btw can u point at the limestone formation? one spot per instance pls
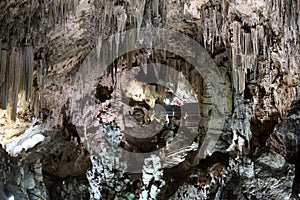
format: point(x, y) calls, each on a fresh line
point(103, 99)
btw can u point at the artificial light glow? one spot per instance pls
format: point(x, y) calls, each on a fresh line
point(11, 198)
point(167, 101)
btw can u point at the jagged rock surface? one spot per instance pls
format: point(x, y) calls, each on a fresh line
point(255, 46)
point(50, 170)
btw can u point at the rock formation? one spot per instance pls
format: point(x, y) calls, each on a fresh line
point(150, 99)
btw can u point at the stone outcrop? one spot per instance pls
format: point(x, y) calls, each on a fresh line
point(285, 141)
point(50, 170)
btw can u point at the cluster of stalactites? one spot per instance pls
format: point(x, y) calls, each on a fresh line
point(59, 10)
point(249, 40)
point(260, 36)
point(16, 66)
point(17, 38)
point(127, 15)
point(22, 19)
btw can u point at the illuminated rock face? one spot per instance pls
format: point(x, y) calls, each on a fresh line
point(44, 47)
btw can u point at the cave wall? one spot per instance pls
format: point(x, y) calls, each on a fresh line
point(255, 46)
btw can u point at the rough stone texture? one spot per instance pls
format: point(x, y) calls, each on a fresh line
point(10, 173)
point(255, 45)
point(285, 141)
point(50, 170)
point(285, 138)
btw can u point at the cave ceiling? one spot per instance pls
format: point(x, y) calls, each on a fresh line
point(149, 99)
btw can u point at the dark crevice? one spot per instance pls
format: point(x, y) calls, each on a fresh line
point(178, 175)
point(261, 130)
point(103, 93)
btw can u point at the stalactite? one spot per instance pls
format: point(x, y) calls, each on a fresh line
point(74, 6)
point(268, 67)
point(14, 82)
point(61, 12)
point(298, 8)
point(36, 93)
point(129, 60)
point(254, 41)
point(215, 32)
point(247, 46)
point(200, 88)
point(4, 78)
point(155, 5)
point(9, 84)
point(53, 11)
point(241, 77)
point(185, 68)
point(260, 35)
point(58, 10)
point(234, 67)
point(236, 37)
point(128, 45)
point(242, 41)
point(18, 67)
point(121, 17)
point(117, 43)
point(139, 14)
point(28, 70)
